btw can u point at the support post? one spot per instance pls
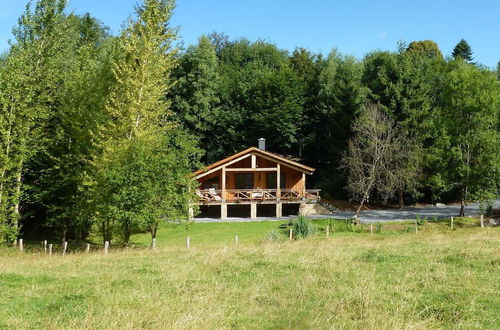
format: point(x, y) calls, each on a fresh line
point(279, 210)
point(416, 226)
point(371, 228)
point(254, 161)
point(327, 231)
point(223, 211)
point(451, 223)
point(87, 248)
point(106, 247)
point(303, 185)
point(482, 221)
point(45, 246)
point(65, 247)
point(188, 242)
point(223, 185)
point(278, 181)
point(50, 249)
point(253, 211)
point(21, 246)
point(236, 239)
point(291, 235)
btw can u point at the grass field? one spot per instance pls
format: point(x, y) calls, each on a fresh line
point(437, 278)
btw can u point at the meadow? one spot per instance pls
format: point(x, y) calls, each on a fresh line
point(396, 278)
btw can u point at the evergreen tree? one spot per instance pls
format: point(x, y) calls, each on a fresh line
point(196, 94)
point(463, 50)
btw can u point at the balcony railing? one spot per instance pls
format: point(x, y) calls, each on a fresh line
point(250, 195)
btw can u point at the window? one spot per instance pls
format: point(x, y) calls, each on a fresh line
point(211, 183)
point(271, 180)
point(244, 181)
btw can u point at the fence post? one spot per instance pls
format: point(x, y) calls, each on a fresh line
point(236, 239)
point(50, 249)
point(106, 247)
point(21, 246)
point(291, 234)
point(65, 246)
point(416, 226)
point(87, 248)
point(371, 228)
point(482, 221)
point(327, 231)
point(451, 224)
point(45, 246)
point(188, 242)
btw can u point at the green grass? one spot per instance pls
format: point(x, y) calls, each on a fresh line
point(437, 278)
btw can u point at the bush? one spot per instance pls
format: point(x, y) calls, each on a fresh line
point(421, 221)
point(346, 225)
point(378, 227)
point(273, 236)
point(302, 227)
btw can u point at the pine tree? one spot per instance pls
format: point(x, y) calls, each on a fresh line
point(463, 50)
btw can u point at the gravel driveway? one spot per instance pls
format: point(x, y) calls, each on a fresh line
point(409, 213)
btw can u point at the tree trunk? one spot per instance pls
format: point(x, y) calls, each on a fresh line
point(401, 199)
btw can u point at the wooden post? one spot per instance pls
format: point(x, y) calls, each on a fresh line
point(327, 231)
point(482, 221)
point(21, 246)
point(87, 248)
point(188, 242)
point(236, 239)
point(371, 228)
point(45, 246)
point(451, 223)
point(106, 247)
point(223, 193)
point(65, 247)
point(278, 181)
point(153, 243)
point(416, 226)
point(50, 249)
point(291, 235)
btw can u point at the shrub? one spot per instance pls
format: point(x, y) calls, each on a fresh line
point(378, 227)
point(273, 236)
point(345, 225)
point(421, 221)
point(302, 227)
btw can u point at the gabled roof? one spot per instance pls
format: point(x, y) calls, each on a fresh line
point(257, 152)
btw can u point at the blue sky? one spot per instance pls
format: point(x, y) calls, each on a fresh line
point(353, 26)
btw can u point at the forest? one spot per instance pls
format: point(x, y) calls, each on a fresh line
point(99, 132)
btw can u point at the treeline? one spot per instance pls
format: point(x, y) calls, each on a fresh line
point(101, 131)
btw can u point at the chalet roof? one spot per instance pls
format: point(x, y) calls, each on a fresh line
point(255, 151)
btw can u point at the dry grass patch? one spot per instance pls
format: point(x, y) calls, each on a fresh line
point(429, 280)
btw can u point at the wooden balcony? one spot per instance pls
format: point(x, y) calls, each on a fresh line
point(213, 196)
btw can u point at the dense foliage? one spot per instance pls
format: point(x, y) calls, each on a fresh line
point(101, 131)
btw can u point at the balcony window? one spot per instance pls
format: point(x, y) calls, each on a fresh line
point(271, 180)
point(244, 180)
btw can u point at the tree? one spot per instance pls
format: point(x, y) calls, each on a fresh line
point(498, 70)
point(469, 120)
point(31, 78)
point(463, 50)
point(195, 94)
point(142, 140)
point(374, 158)
point(427, 48)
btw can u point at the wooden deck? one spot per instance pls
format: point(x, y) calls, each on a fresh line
point(212, 196)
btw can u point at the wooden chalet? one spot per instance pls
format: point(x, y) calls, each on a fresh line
point(254, 183)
